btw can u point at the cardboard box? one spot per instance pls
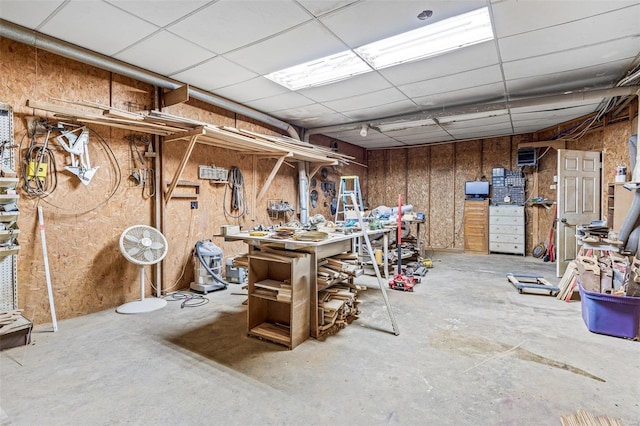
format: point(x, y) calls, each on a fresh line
point(16, 334)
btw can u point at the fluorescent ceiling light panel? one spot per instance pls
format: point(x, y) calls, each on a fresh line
point(329, 69)
point(440, 37)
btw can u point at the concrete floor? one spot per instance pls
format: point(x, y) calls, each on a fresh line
point(471, 351)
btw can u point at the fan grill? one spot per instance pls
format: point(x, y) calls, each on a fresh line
point(143, 245)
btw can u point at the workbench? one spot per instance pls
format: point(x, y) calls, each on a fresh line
point(335, 244)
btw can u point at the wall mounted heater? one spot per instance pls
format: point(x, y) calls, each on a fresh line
point(527, 157)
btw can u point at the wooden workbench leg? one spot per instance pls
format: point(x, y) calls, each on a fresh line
point(313, 299)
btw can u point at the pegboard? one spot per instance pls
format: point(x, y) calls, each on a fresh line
point(8, 282)
point(7, 156)
point(8, 264)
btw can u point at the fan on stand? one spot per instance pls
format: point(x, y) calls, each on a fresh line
point(142, 245)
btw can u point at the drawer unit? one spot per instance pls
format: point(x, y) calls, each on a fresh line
point(506, 229)
point(475, 226)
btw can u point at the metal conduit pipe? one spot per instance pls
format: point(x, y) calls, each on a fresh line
point(50, 44)
point(495, 106)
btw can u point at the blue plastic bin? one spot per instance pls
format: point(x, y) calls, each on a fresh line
point(611, 315)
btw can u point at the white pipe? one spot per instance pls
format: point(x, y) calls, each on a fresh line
point(303, 185)
point(47, 273)
point(51, 44)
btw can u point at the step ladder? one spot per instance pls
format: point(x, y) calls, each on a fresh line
point(348, 185)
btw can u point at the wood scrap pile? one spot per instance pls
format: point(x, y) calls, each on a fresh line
point(277, 290)
point(584, 418)
point(241, 261)
point(337, 269)
point(337, 307)
point(173, 127)
point(7, 318)
point(610, 274)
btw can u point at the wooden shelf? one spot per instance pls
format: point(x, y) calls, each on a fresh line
point(282, 321)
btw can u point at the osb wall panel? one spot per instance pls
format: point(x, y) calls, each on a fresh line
point(396, 173)
point(355, 168)
point(418, 184)
point(82, 223)
point(442, 176)
point(496, 152)
point(185, 226)
point(468, 166)
point(376, 173)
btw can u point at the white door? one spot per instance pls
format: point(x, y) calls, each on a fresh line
point(579, 197)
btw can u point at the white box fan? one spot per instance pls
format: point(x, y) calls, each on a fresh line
point(142, 245)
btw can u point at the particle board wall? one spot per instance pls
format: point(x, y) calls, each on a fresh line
point(356, 168)
point(87, 271)
point(83, 224)
point(442, 225)
point(468, 167)
point(419, 186)
point(376, 172)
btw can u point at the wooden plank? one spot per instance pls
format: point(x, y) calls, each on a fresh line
point(272, 175)
point(185, 135)
point(183, 164)
point(176, 96)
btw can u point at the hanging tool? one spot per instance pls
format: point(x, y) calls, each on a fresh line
point(401, 281)
point(78, 147)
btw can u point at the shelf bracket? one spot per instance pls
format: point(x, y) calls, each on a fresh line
point(272, 175)
point(183, 164)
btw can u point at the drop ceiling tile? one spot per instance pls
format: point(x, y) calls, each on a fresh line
point(457, 130)
point(306, 113)
point(474, 95)
point(557, 106)
point(281, 102)
point(28, 14)
point(355, 86)
point(372, 20)
point(612, 51)
point(599, 76)
point(90, 25)
point(296, 46)
point(572, 35)
point(322, 120)
point(321, 7)
point(251, 90)
point(474, 116)
point(503, 120)
point(461, 60)
point(445, 137)
point(227, 24)
point(385, 110)
point(468, 134)
point(177, 54)
point(366, 100)
point(160, 13)
point(467, 79)
point(518, 17)
point(215, 74)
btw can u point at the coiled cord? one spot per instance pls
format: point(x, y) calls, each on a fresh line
point(238, 194)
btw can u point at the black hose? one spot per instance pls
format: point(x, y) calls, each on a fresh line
point(222, 284)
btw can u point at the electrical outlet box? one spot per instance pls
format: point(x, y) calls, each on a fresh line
point(194, 205)
point(553, 186)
